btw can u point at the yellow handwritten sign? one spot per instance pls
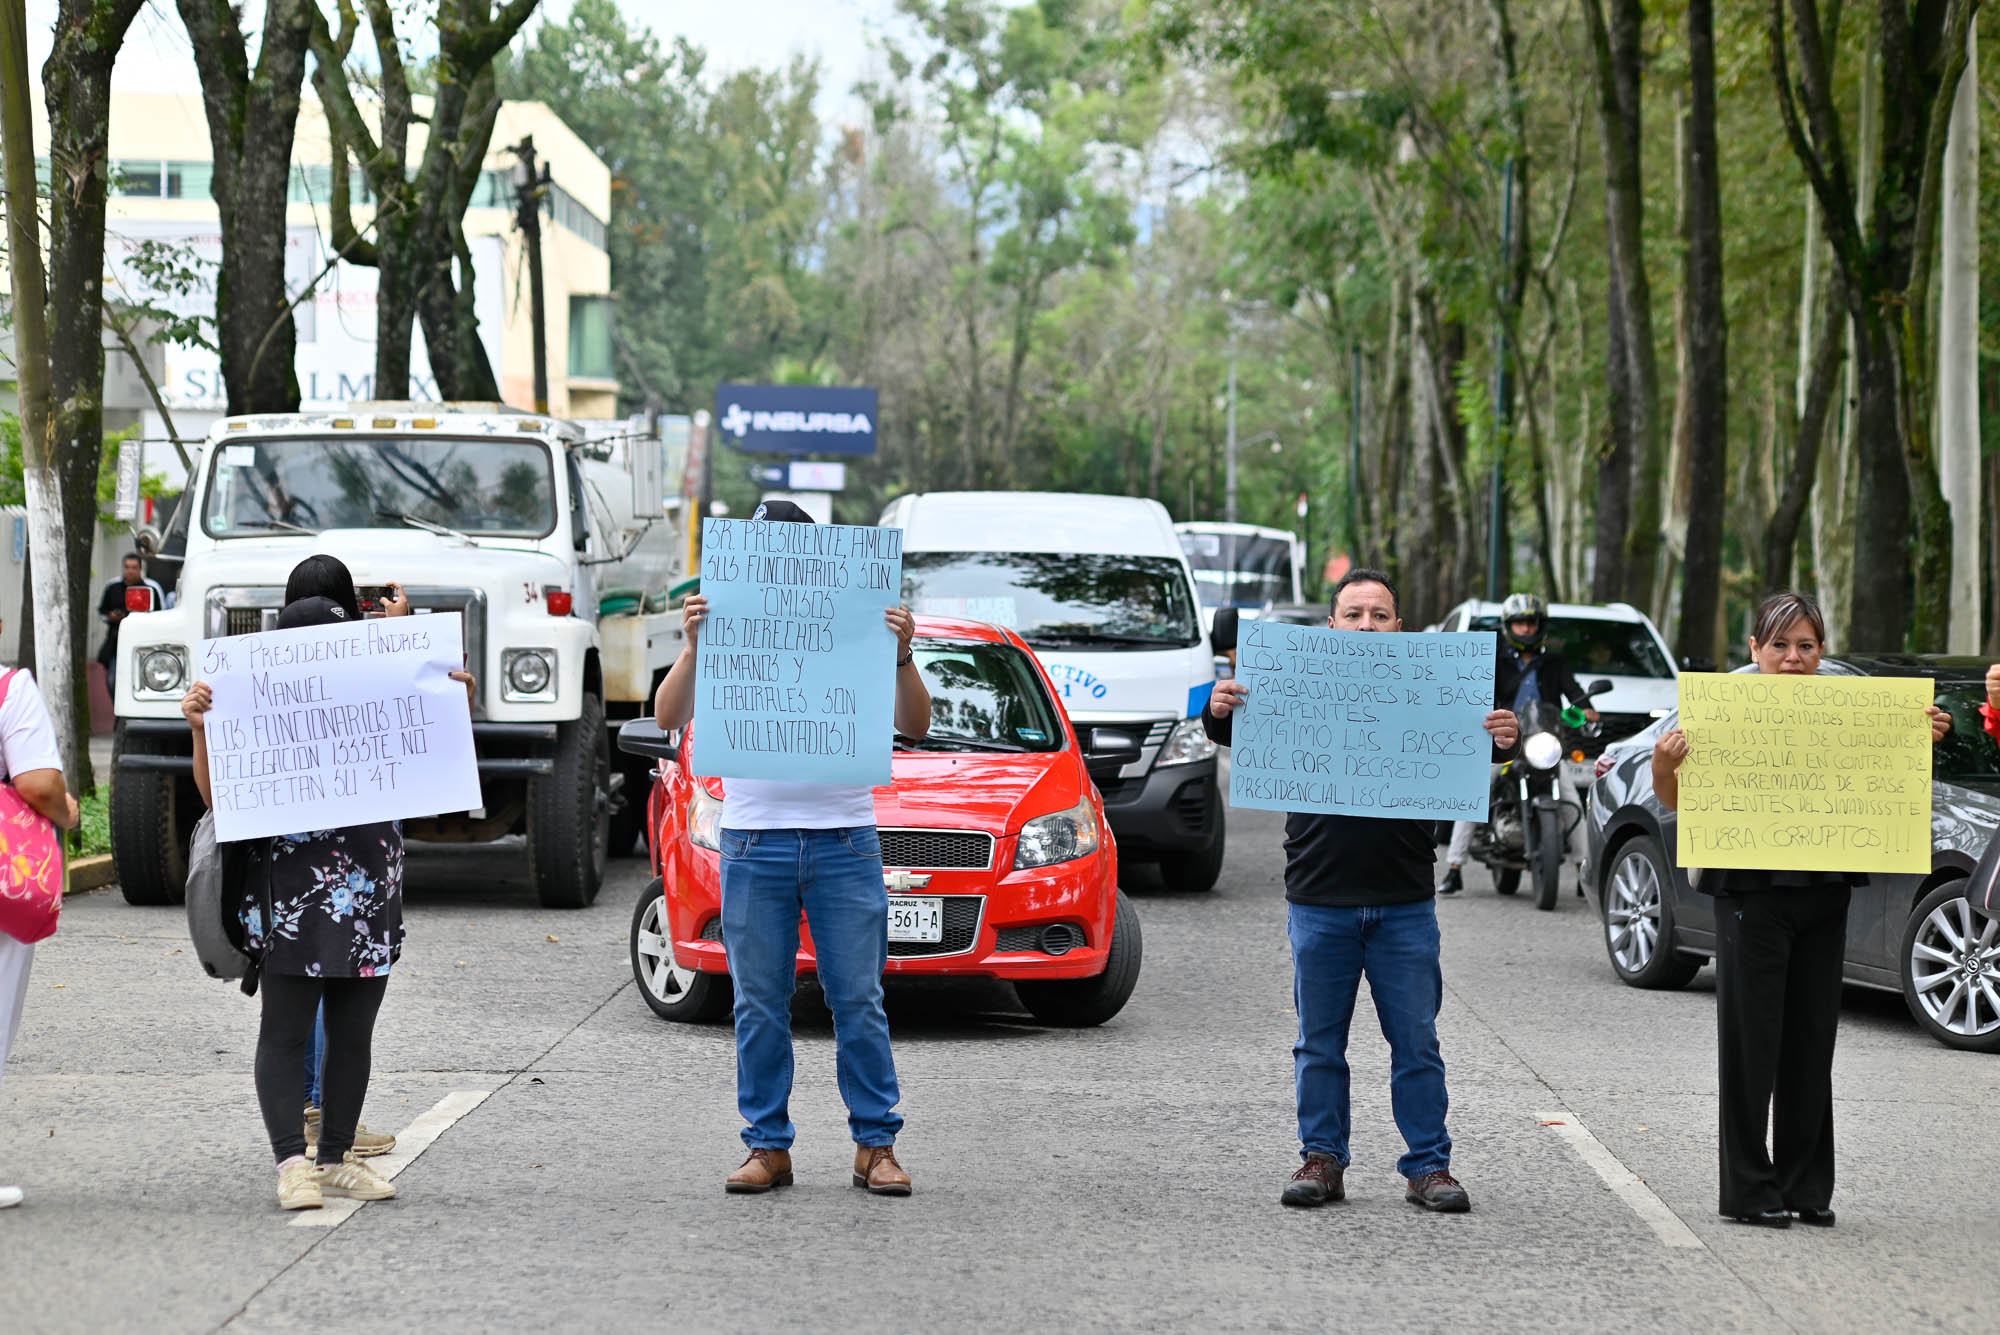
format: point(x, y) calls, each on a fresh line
point(1789, 773)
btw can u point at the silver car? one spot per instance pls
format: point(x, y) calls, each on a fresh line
point(1910, 934)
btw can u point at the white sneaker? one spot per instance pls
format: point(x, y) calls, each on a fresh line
point(367, 1144)
point(298, 1189)
point(11, 1197)
point(355, 1180)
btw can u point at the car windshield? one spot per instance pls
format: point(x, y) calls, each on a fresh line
point(1967, 754)
point(1239, 570)
point(1598, 648)
point(485, 486)
point(1058, 599)
point(985, 697)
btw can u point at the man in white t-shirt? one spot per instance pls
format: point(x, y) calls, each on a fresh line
point(811, 846)
point(31, 761)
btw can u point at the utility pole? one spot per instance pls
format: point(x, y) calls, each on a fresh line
point(48, 552)
point(1496, 520)
point(1229, 452)
point(530, 183)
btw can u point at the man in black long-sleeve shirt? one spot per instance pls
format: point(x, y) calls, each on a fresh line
point(1361, 903)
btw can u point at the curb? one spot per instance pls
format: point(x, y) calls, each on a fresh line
point(92, 873)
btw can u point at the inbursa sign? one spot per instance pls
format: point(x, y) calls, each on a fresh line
point(796, 419)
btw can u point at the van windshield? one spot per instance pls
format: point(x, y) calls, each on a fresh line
point(1059, 600)
point(290, 484)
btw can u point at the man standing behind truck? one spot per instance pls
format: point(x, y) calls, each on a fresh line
point(111, 607)
point(812, 846)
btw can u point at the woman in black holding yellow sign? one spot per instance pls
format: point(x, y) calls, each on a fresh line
point(1780, 939)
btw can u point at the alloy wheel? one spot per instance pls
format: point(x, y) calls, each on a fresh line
point(1955, 967)
point(1632, 912)
point(659, 972)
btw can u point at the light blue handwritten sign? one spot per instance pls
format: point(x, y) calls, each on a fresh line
point(796, 673)
point(1363, 723)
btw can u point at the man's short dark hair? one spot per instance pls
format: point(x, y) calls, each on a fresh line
point(1366, 575)
point(133, 556)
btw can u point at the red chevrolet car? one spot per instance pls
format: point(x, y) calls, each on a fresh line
point(995, 851)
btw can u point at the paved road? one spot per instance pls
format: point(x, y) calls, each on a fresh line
point(1121, 1178)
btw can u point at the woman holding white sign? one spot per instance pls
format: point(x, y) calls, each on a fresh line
point(1780, 942)
point(323, 915)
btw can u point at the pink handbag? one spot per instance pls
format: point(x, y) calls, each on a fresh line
point(31, 863)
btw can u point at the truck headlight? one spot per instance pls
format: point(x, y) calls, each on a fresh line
point(1186, 744)
point(528, 674)
point(1061, 837)
point(705, 821)
point(162, 668)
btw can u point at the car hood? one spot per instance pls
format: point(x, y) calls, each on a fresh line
point(1963, 817)
point(1633, 695)
point(997, 793)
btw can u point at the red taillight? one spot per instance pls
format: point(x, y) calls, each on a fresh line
point(1604, 764)
point(138, 598)
point(559, 602)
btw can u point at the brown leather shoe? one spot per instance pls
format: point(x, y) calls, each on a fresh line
point(875, 1168)
point(1318, 1181)
point(760, 1172)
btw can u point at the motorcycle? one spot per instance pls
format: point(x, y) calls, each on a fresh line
point(1529, 820)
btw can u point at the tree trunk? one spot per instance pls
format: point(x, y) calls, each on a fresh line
point(1823, 365)
point(1880, 608)
point(47, 583)
point(1708, 369)
point(1614, 458)
point(1958, 355)
point(252, 117)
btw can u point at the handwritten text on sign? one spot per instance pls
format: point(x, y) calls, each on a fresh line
point(1363, 723)
point(1805, 773)
point(796, 677)
point(329, 726)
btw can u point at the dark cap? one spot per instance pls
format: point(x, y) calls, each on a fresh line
point(311, 612)
point(781, 512)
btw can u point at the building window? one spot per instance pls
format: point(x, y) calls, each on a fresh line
point(190, 180)
point(314, 185)
point(590, 354)
point(136, 178)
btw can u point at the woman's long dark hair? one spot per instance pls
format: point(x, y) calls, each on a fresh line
point(323, 576)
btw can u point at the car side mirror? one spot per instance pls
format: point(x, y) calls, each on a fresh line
point(1696, 663)
point(1222, 634)
point(644, 737)
point(1601, 686)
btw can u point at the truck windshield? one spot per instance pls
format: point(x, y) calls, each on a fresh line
point(1239, 569)
point(985, 697)
point(1059, 600)
point(288, 484)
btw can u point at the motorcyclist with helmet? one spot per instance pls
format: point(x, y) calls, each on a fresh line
point(1526, 672)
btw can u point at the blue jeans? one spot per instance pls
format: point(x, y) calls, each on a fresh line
point(315, 1057)
point(768, 876)
point(1396, 945)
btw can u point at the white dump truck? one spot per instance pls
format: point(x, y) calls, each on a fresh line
point(546, 536)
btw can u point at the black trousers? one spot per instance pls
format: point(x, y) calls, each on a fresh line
point(290, 1004)
point(1778, 959)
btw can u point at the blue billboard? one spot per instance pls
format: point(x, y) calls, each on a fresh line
point(796, 419)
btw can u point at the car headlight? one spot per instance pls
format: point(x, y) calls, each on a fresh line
point(162, 669)
point(1061, 837)
point(529, 674)
point(705, 821)
point(1186, 744)
point(1542, 750)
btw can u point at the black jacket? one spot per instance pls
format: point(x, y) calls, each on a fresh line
point(1551, 670)
point(1352, 861)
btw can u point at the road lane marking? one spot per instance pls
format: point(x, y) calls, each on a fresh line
point(411, 1142)
point(1624, 1183)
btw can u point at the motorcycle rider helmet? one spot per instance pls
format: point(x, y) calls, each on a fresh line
point(1524, 607)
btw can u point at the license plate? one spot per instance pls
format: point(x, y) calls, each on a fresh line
point(915, 919)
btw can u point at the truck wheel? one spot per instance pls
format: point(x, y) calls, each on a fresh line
point(152, 819)
point(628, 823)
point(1196, 872)
point(1079, 1003)
point(569, 813)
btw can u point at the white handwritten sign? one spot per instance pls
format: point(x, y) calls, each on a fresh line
point(329, 726)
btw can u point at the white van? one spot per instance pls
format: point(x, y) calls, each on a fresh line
point(1099, 588)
